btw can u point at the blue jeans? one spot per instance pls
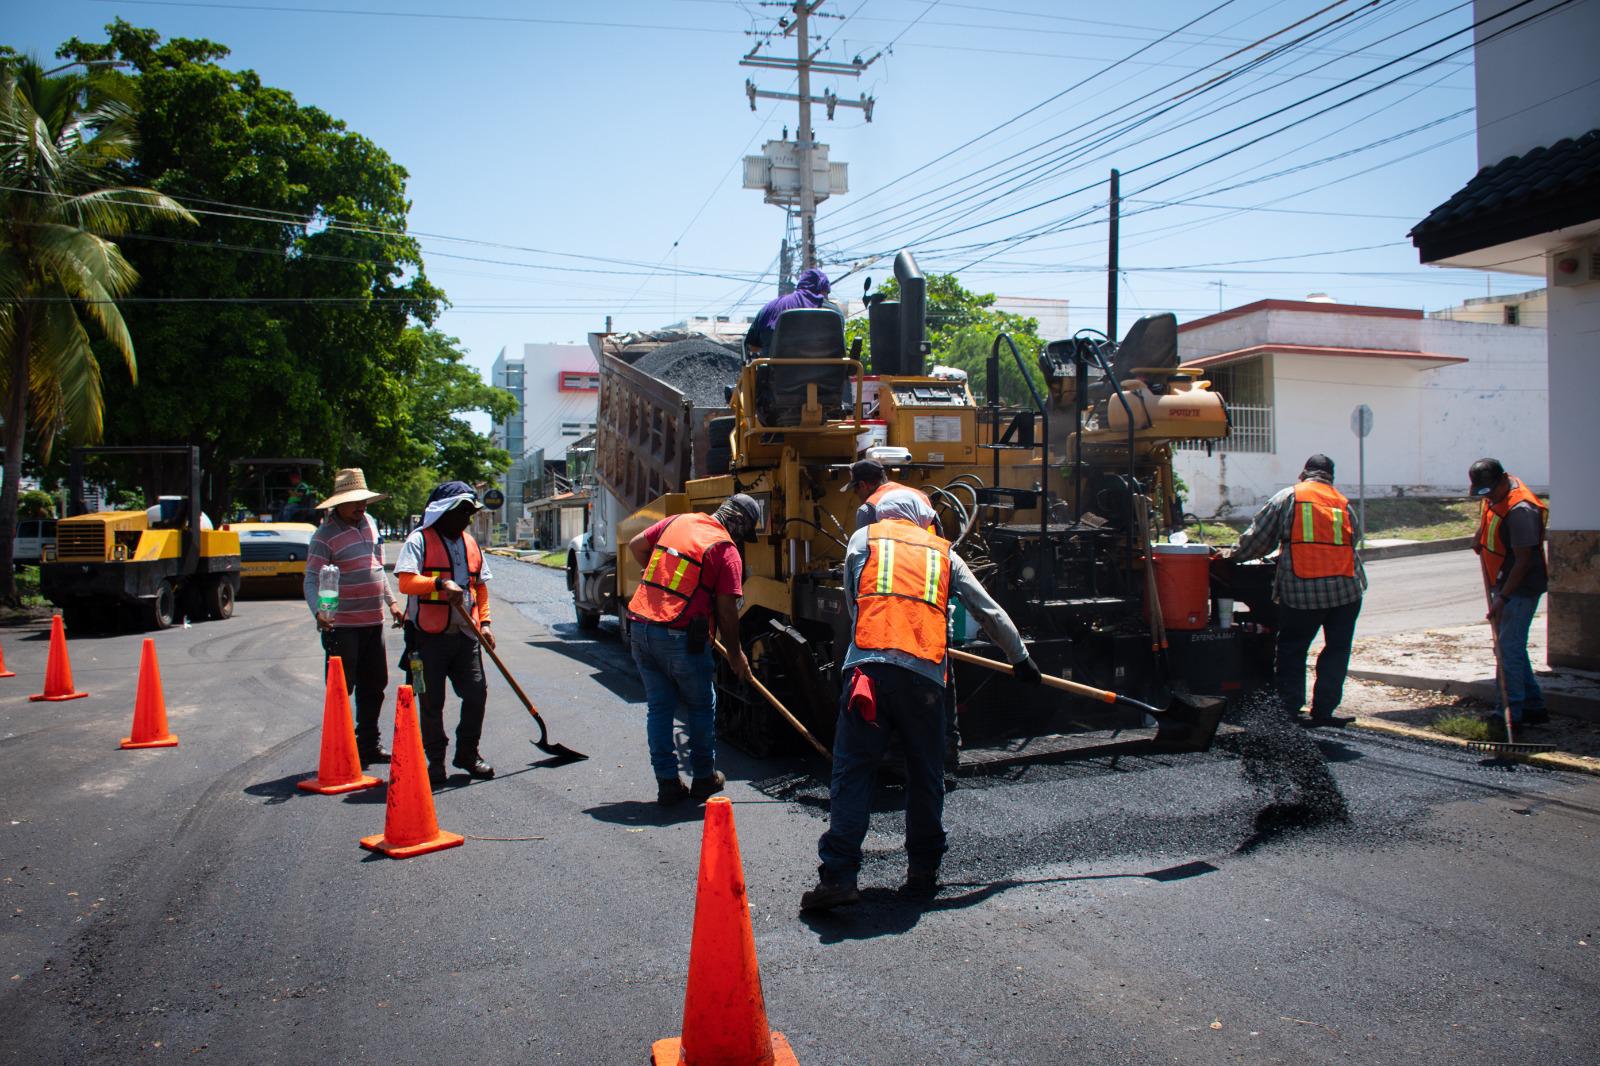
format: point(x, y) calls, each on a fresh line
point(673, 679)
point(913, 707)
point(1522, 688)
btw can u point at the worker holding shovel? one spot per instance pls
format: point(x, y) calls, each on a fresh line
point(898, 581)
point(1510, 547)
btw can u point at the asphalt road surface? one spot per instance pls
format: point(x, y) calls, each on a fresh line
point(1282, 898)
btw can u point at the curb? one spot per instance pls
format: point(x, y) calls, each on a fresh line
point(1554, 760)
point(1582, 707)
point(1416, 547)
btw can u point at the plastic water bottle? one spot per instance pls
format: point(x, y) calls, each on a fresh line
point(328, 590)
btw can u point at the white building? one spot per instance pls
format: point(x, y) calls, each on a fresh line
point(1534, 208)
point(1050, 313)
point(729, 329)
point(557, 387)
point(1443, 393)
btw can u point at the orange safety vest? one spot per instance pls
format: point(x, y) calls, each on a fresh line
point(433, 608)
point(894, 486)
point(1321, 543)
point(1489, 543)
point(903, 591)
point(672, 576)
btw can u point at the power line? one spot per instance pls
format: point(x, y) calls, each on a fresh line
point(432, 15)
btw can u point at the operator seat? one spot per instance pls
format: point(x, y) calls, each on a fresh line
point(781, 391)
point(1150, 343)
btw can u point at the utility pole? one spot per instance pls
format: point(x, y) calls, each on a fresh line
point(1111, 258)
point(759, 170)
point(1219, 283)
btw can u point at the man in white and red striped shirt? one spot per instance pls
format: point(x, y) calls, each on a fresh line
point(348, 538)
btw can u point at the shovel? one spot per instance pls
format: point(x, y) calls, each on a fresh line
point(1187, 723)
point(778, 706)
point(560, 751)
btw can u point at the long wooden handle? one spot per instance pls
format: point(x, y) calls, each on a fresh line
point(505, 673)
point(1061, 683)
point(778, 706)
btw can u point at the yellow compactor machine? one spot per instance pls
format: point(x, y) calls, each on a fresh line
point(1058, 505)
point(114, 569)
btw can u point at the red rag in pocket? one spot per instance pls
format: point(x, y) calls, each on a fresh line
point(863, 701)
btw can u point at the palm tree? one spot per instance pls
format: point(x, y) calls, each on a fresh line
point(62, 143)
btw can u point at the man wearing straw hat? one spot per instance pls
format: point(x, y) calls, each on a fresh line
point(348, 539)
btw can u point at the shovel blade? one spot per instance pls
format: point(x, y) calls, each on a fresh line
point(560, 751)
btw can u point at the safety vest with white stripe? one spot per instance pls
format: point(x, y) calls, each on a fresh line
point(903, 591)
point(672, 576)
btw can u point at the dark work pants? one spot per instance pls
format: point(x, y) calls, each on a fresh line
point(1296, 629)
point(913, 708)
point(453, 656)
point(366, 673)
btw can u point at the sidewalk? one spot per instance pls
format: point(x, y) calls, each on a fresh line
point(1401, 682)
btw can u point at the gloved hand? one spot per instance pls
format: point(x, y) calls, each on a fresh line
point(1027, 671)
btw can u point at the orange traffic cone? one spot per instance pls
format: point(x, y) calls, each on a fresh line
point(339, 768)
point(409, 825)
point(724, 1013)
point(58, 668)
point(149, 706)
point(3, 671)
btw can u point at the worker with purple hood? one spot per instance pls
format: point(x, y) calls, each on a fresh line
point(810, 291)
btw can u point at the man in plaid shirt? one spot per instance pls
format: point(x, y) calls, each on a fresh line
point(1319, 584)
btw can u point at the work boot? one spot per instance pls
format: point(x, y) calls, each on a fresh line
point(705, 787)
point(373, 752)
point(475, 767)
point(670, 790)
point(438, 776)
point(830, 893)
point(921, 884)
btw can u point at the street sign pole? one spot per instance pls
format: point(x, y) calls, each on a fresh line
point(1361, 425)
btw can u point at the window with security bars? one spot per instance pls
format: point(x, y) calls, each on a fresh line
point(1246, 387)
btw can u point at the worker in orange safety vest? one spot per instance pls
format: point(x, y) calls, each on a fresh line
point(1318, 585)
point(691, 575)
point(1510, 547)
point(898, 581)
point(871, 484)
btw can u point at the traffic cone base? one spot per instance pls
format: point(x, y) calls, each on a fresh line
point(338, 766)
point(149, 705)
point(314, 784)
point(58, 668)
point(3, 671)
point(405, 851)
point(409, 824)
point(669, 1052)
point(168, 741)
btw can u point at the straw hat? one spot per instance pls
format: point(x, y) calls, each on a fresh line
point(350, 486)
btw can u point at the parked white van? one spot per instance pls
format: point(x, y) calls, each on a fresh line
point(32, 536)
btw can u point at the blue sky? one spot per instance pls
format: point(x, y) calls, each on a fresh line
point(590, 152)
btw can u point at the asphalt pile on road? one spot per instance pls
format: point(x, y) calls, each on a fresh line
point(1288, 771)
point(700, 369)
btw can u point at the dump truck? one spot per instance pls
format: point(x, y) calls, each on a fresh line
point(653, 434)
point(143, 568)
point(1065, 507)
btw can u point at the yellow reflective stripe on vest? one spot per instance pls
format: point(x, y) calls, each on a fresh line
point(1490, 539)
point(1338, 526)
point(930, 581)
point(885, 567)
point(1308, 524)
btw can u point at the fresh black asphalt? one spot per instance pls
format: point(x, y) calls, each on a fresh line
point(1283, 898)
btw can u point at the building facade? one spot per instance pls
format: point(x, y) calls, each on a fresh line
point(1534, 208)
point(1292, 372)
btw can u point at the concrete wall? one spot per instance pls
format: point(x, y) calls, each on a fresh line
point(1575, 512)
point(1428, 424)
point(1544, 60)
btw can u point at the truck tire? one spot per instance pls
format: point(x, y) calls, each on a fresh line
point(159, 612)
point(76, 617)
point(588, 621)
point(219, 599)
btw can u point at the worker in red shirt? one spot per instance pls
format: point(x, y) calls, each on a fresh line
point(691, 573)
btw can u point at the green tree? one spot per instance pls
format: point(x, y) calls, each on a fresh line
point(63, 141)
point(302, 326)
point(35, 503)
point(962, 327)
